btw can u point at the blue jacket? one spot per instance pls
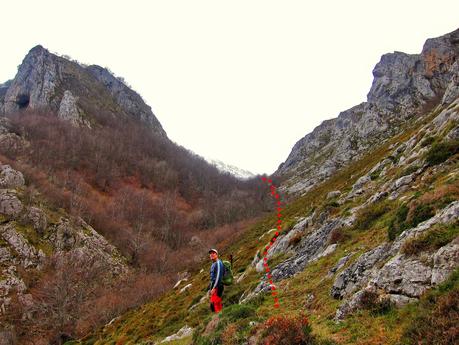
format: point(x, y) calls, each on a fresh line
point(217, 270)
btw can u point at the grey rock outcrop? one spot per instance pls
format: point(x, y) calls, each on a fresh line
point(354, 277)
point(311, 247)
point(406, 277)
point(35, 83)
point(28, 255)
point(74, 92)
point(183, 332)
point(37, 218)
point(445, 260)
point(69, 111)
point(10, 205)
point(452, 90)
point(10, 178)
point(3, 89)
point(129, 100)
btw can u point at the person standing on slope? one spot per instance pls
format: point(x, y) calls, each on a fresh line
point(217, 270)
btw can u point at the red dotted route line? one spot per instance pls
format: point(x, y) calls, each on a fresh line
point(279, 228)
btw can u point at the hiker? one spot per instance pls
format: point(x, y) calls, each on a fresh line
point(217, 270)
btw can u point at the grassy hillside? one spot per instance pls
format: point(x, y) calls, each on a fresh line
point(309, 290)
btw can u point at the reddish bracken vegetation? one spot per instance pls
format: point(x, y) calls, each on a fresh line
point(283, 330)
point(160, 204)
point(130, 184)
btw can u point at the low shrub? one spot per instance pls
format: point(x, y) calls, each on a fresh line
point(427, 141)
point(238, 311)
point(440, 152)
point(284, 330)
point(338, 235)
point(433, 239)
point(408, 217)
point(397, 225)
point(375, 174)
point(419, 213)
point(371, 301)
point(409, 170)
point(370, 214)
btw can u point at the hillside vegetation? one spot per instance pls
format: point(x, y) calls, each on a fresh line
point(354, 264)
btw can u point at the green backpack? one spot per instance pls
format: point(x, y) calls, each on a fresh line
point(227, 278)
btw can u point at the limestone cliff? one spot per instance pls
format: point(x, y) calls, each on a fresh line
point(404, 86)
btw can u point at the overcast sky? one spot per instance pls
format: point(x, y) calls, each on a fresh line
point(240, 81)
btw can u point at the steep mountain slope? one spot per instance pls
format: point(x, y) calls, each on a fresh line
point(370, 253)
point(36, 240)
point(100, 173)
point(404, 87)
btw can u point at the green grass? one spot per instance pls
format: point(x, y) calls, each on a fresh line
point(435, 318)
point(435, 238)
point(367, 216)
point(34, 238)
point(440, 152)
point(427, 141)
point(158, 319)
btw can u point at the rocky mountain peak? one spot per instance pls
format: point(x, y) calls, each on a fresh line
point(404, 86)
point(74, 91)
point(34, 83)
point(408, 81)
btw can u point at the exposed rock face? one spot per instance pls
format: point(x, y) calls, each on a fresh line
point(445, 260)
point(10, 178)
point(10, 205)
point(45, 80)
point(35, 82)
point(3, 89)
point(452, 90)
point(403, 84)
point(128, 99)
point(37, 218)
point(399, 80)
point(28, 255)
point(311, 248)
point(184, 332)
point(69, 111)
point(405, 277)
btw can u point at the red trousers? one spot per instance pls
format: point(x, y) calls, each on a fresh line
point(215, 302)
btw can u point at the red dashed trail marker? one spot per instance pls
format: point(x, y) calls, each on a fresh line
point(279, 227)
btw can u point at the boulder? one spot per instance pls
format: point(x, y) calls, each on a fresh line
point(357, 275)
point(333, 194)
point(445, 260)
point(10, 178)
point(29, 256)
point(10, 205)
point(183, 332)
point(404, 276)
point(37, 218)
